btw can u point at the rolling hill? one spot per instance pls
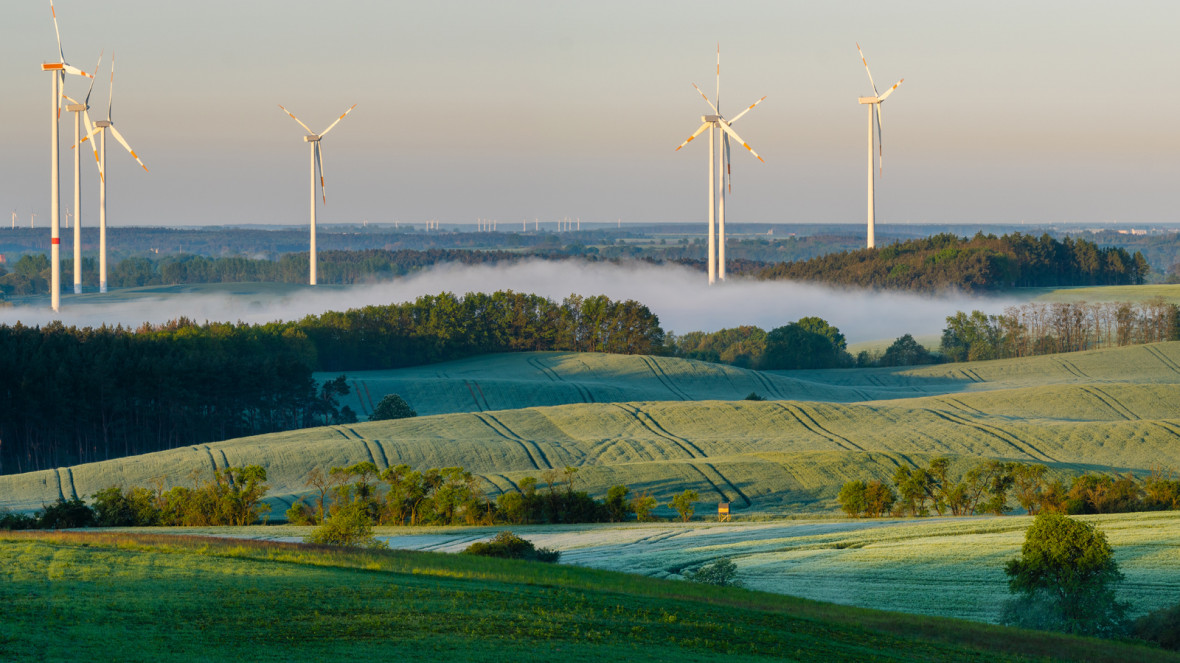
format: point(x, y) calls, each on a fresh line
point(662, 425)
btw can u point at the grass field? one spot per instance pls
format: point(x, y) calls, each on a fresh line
point(1109, 293)
point(124, 597)
point(1107, 410)
point(950, 567)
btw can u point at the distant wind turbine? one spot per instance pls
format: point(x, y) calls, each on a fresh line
point(81, 110)
point(102, 127)
point(718, 122)
point(874, 103)
point(59, 69)
point(316, 161)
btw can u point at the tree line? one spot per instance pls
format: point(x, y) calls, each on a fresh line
point(71, 395)
point(992, 487)
point(981, 263)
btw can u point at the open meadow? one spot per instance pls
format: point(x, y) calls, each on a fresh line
point(146, 597)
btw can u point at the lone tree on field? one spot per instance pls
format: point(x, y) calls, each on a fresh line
point(392, 406)
point(1065, 580)
point(683, 504)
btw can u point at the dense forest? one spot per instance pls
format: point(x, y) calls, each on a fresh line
point(71, 395)
point(981, 263)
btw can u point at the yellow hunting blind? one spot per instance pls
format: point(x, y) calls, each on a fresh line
point(723, 512)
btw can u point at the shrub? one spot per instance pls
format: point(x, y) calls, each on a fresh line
point(1161, 627)
point(507, 545)
point(349, 527)
point(392, 406)
point(15, 521)
point(65, 513)
point(617, 505)
point(722, 572)
point(683, 504)
point(753, 396)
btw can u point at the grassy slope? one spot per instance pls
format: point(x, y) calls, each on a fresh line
point(1104, 410)
point(102, 597)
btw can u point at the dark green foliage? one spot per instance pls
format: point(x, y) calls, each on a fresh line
point(852, 498)
point(1064, 580)
point(507, 545)
point(1161, 627)
point(806, 343)
point(392, 406)
point(740, 346)
point(617, 505)
point(722, 572)
point(905, 351)
point(64, 514)
point(981, 263)
point(753, 396)
point(136, 507)
point(16, 521)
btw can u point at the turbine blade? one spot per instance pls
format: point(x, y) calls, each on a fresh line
point(748, 109)
point(296, 119)
point(690, 138)
point(866, 63)
point(119, 137)
point(91, 88)
point(880, 144)
point(890, 90)
point(726, 128)
point(111, 92)
point(330, 126)
point(57, 31)
point(319, 160)
point(718, 95)
point(728, 174)
point(90, 132)
point(71, 69)
point(706, 99)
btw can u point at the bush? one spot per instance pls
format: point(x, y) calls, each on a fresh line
point(349, 527)
point(1161, 627)
point(753, 396)
point(722, 572)
point(507, 545)
point(64, 514)
point(15, 521)
point(392, 406)
point(683, 504)
point(1065, 580)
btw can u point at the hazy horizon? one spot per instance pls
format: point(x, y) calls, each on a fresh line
point(1044, 113)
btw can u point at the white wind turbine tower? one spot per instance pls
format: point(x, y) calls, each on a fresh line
point(874, 103)
point(718, 123)
point(81, 110)
point(59, 69)
point(316, 160)
point(102, 127)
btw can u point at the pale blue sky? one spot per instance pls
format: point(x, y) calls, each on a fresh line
point(1042, 112)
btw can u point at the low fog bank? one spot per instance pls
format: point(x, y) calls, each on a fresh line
point(679, 296)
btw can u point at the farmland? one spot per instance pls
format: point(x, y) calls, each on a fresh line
point(92, 596)
point(661, 425)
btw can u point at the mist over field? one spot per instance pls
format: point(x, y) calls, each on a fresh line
point(678, 295)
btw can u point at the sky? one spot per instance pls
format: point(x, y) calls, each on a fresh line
point(1040, 112)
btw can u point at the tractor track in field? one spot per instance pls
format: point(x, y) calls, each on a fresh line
point(473, 396)
point(992, 431)
point(725, 479)
point(369, 452)
point(1072, 368)
point(807, 421)
point(381, 449)
point(1168, 427)
point(1167, 361)
point(507, 433)
point(494, 484)
point(554, 376)
point(73, 488)
point(342, 433)
point(479, 389)
point(224, 460)
point(368, 395)
point(360, 399)
point(771, 387)
point(61, 493)
point(212, 460)
point(1111, 402)
point(655, 428)
point(664, 379)
point(960, 405)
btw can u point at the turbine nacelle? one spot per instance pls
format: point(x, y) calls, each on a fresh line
point(712, 118)
point(312, 139)
point(869, 100)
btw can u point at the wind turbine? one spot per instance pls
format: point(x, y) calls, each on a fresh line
point(102, 127)
point(719, 124)
point(79, 110)
point(59, 69)
point(316, 160)
point(874, 103)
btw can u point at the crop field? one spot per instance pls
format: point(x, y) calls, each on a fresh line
point(949, 567)
point(1110, 293)
point(147, 597)
point(1107, 410)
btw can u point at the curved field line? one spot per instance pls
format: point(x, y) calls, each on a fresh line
point(510, 482)
point(1168, 426)
point(364, 408)
point(224, 460)
point(368, 395)
point(1070, 368)
point(493, 484)
point(535, 362)
point(1164, 359)
point(663, 378)
point(473, 398)
point(212, 460)
point(655, 428)
point(992, 431)
point(506, 433)
point(61, 493)
point(821, 427)
point(960, 405)
point(771, 388)
point(73, 488)
point(380, 448)
point(342, 433)
point(486, 405)
point(1111, 402)
point(791, 413)
point(728, 483)
point(807, 421)
point(369, 451)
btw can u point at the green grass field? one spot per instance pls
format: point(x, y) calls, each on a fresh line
point(1109, 293)
point(1106, 410)
point(125, 597)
